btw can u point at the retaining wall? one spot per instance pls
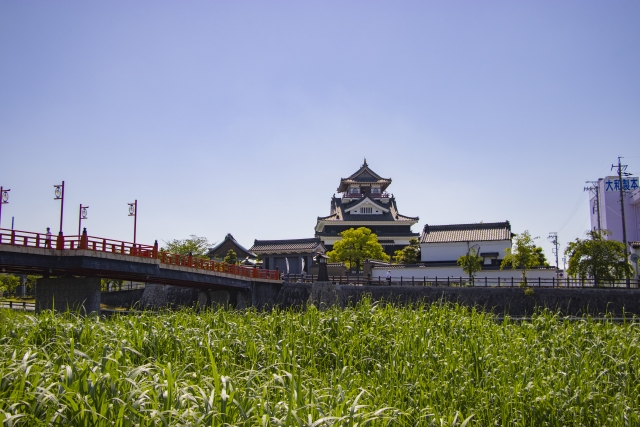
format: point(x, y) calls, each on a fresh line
point(68, 293)
point(511, 301)
point(126, 299)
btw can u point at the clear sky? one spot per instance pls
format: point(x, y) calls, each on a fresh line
point(241, 117)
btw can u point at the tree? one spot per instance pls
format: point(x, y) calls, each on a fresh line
point(522, 254)
point(355, 246)
point(231, 257)
point(110, 284)
point(597, 258)
point(194, 245)
point(471, 263)
point(9, 283)
point(542, 259)
point(410, 254)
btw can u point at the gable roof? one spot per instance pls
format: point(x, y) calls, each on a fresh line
point(340, 214)
point(310, 245)
point(229, 242)
point(364, 200)
point(363, 175)
point(466, 232)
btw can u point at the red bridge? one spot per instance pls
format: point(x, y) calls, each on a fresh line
point(99, 244)
point(95, 257)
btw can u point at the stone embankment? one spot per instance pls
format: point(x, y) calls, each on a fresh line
point(510, 301)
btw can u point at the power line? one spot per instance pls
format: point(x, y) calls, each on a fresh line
point(575, 209)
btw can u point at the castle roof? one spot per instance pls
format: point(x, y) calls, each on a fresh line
point(362, 176)
point(390, 212)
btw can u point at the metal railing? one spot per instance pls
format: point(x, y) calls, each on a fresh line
point(500, 282)
point(61, 242)
point(15, 305)
point(99, 244)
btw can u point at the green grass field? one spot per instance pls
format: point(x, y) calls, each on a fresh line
point(370, 365)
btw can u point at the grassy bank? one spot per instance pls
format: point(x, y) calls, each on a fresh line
point(370, 365)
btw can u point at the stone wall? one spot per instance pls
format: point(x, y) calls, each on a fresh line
point(125, 299)
point(293, 295)
point(159, 296)
point(68, 293)
point(264, 295)
point(511, 301)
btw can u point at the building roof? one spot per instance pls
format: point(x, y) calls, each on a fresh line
point(466, 232)
point(221, 249)
point(340, 214)
point(287, 246)
point(363, 175)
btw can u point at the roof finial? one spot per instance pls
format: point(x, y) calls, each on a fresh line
point(365, 162)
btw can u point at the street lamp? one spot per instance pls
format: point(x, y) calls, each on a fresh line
point(4, 199)
point(82, 214)
point(59, 195)
point(133, 211)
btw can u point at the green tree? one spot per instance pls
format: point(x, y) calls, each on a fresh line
point(471, 263)
point(231, 257)
point(597, 258)
point(522, 254)
point(194, 245)
point(9, 283)
point(542, 259)
point(111, 284)
point(355, 246)
point(409, 254)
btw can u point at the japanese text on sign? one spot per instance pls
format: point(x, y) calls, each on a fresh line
point(627, 184)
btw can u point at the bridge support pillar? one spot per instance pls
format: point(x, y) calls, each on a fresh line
point(68, 293)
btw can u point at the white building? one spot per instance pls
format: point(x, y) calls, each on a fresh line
point(606, 212)
point(442, 245)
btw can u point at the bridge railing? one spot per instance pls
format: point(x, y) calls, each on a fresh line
point(205, 264)
point(60, 242)
point(99, 244)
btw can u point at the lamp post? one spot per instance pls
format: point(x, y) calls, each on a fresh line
point(82, 214)
point(323, 275)
point(4, 199)
point(133, 211)
point(59, 195)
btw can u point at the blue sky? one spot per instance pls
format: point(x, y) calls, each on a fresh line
point(241, 117)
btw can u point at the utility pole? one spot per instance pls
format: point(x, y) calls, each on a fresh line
point(553, 238)
point(594, 186)
point(622, 168)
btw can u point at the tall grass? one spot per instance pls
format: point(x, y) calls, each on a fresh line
point(369, 365)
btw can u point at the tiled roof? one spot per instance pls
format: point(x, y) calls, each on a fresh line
point(634, 245)
point(340, 213)
point(230, 240)
point(466, 232)
point(364, 174)
point(290, 245)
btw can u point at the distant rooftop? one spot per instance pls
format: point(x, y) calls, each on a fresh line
point(466, 232)
point(287, 245)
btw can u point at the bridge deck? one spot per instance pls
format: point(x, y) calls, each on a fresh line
point(33, 253)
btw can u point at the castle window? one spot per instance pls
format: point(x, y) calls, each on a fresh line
point(366, 210)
